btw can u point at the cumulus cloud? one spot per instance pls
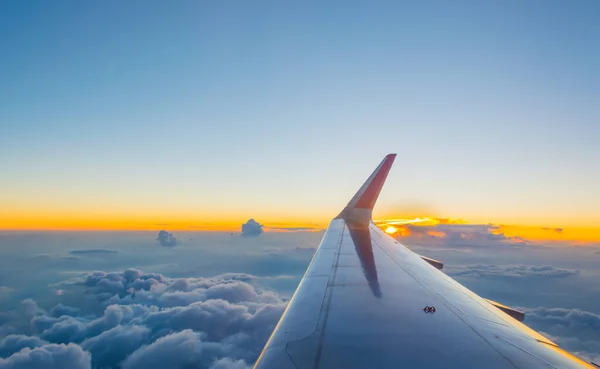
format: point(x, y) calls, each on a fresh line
point(17, 321)
point(178, 350)
point(116, 344)
point(93, 252)
point(252, 228)
point(75, 329)
point(60, 310)
point(51, 356)
point(16, 342)
point(166, 239)
point(510, 271)
point(133, 286)
point(457, 235)
point(151, 321)
point(227, 363)
point(561, 325)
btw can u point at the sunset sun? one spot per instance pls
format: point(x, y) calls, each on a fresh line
point(391, 229)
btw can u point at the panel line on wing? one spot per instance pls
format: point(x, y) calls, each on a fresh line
point(328, 304)
point(524, 351)
point(446, 303)
point(329, 246)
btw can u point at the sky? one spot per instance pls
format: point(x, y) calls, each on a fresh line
point(201, 115)
point(120, 119)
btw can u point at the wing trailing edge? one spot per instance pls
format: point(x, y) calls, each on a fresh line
point(360, 208)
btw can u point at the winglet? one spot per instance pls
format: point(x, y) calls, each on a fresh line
point(360, 207)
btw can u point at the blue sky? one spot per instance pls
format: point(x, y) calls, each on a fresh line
point(147, 112)
point(280, 110)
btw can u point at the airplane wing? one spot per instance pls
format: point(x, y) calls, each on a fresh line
point(366, 301)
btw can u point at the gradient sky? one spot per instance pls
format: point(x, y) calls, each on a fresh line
point(140, 113)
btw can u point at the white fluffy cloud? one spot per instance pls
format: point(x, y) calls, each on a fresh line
point(183, 349)
point(562, 325)
point(227, 363)
point(148, 321)
point(51, 356)
point(16, 342)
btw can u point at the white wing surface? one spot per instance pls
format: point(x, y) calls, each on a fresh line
point(367, 301)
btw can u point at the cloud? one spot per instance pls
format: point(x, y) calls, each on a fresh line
point(51, 356)
point(93, 252)
point(562, 325)
point(60, 310)
point(457, 235)
point(252, 228)
point(510, 271)
point(133, 286)
point(178, 350)
point(309, 250)
point(5, 291)
point(152, 321)
point(18, 321)
point(75, 329)
point(277, 252)
point(166, 239)
point(556, 230)
point(16, 342)
point(116, 344)
point(51, 257)
point(227, 363)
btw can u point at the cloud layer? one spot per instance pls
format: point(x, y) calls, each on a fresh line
point(93, 252)
point(457, 235)
point(147, 321)
point(510, 271)
point(125, 317)
point(69, 356)
point(560, 324)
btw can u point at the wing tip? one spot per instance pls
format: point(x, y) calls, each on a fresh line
point(367, 195)
point(373, 185)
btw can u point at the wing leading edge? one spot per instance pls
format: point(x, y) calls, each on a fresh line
point(361, 304)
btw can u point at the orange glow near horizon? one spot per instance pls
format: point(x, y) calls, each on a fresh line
point(399, 227)
point(400, 221)
point(572, 235)
point(148, 223)
point(437, 234)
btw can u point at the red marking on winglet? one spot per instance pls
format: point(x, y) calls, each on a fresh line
point(369, 197)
